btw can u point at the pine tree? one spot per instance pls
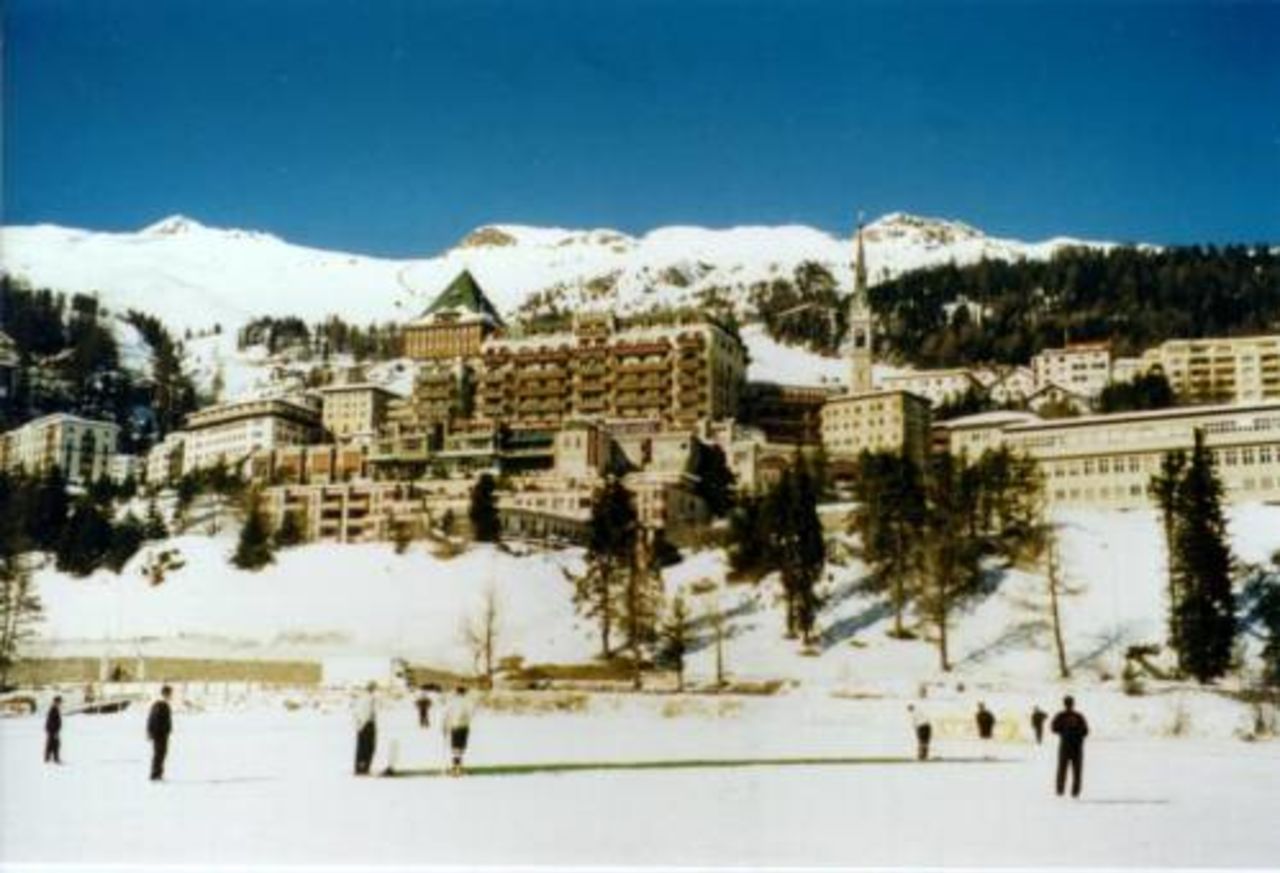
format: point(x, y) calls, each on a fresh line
point(85, 541)
point(1206, 620)
point(611, 554)
point(20, 610)
point(890, 521)
point(254, 551)
point(796, 547)
point(486, 527)
point(1163, 489)
point(126, 538)
point(715, 481)
point(952, 555)
point(1262, 594)
point(155, 528)
point(747, 539)
point(49, 510)
point(675, 639)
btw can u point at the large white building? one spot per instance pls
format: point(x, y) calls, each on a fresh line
point(231, 432)
point(1108, 460)
point(82, 448)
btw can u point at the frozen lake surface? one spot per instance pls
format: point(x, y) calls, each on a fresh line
point(270, 786)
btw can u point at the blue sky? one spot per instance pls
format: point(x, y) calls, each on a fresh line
point(395, 127)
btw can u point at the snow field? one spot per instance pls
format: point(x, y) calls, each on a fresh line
point(265, 786)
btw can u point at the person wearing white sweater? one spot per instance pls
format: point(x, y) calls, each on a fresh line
point(457, 726)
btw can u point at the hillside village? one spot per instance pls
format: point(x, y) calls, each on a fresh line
point(515, 429)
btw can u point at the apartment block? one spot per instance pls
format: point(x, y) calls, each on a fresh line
point(82, 448)
point(1082, 368)
point(1227, 370)
point(354, 412)
point(894, 421)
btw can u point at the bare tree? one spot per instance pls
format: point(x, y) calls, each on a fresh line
point(480, 632)
point(1053, 578)
point(713, 615)
point(641, 603)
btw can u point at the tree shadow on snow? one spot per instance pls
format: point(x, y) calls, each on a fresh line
point(1106, 642)
point(846, 627)
point(1018, 636)
point(702, 629)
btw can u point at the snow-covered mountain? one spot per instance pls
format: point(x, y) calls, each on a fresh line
point(194, 276)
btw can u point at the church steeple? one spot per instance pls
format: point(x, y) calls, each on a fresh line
point(861, 323)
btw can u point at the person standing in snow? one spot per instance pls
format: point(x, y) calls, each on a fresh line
point(424, 707)
point(985, 720)
point(53, 732)
point(366, 723)
point(1038, 718)
point(457, 726)
point(159, 727)
point(1071, 728)
point(924, 731)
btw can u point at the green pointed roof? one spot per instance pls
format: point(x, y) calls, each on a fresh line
point(463, 295)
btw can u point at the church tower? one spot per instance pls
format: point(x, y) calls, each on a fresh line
point(861, 326)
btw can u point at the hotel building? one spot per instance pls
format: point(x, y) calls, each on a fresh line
point(230, 433)
point(82, 448)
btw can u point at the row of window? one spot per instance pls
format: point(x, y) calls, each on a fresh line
point(1137, 491)
point(1236, 457)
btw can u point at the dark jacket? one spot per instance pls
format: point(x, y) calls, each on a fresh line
point(159, 721)
point(53, 721)
point(1071, 727)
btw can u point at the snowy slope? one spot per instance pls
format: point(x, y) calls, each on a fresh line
point(321, 599)
point(331, 599)
point(194, 276)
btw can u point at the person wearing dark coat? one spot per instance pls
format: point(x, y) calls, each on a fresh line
point(1071, 728)
point(159, 726)
point(986, 721)
point(1038, 718)
point(924, 731)
point(53, 733)
point(424, 707)
point(366, 723)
